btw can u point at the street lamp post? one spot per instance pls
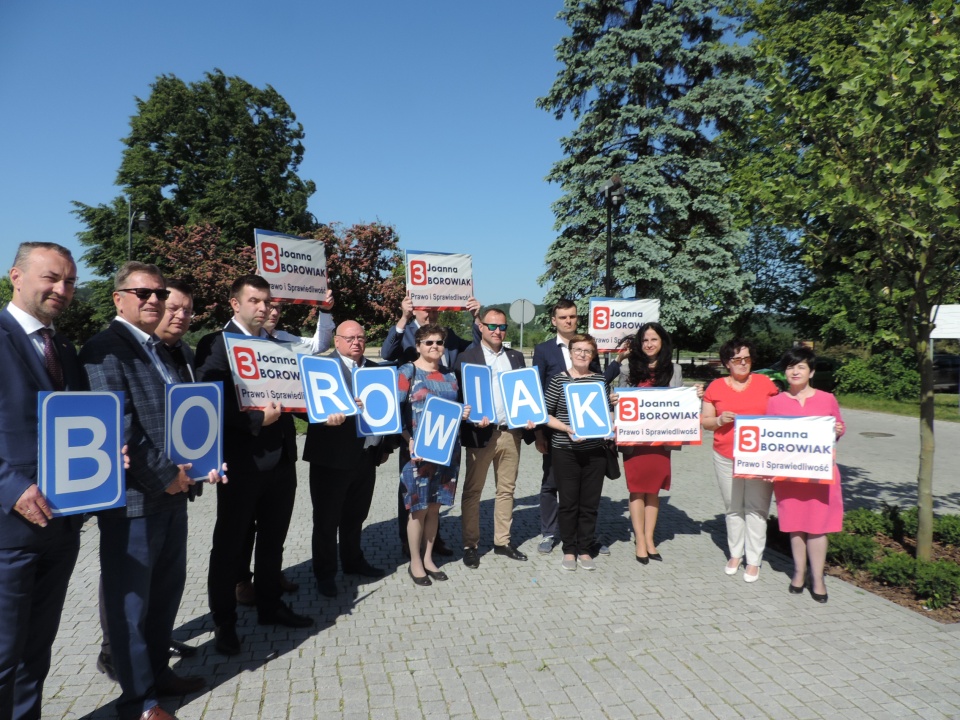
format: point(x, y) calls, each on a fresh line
point(141, 223)
point(612, 198)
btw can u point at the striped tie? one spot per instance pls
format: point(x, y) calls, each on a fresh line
point(51, 360)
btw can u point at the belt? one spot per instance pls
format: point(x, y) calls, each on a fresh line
point(504, 428)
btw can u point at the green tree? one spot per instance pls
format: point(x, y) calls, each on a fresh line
point(872, 127)
point(650, 83)
point(219, 151)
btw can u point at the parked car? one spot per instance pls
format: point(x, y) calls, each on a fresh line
point(946, 373)
point(823, 375)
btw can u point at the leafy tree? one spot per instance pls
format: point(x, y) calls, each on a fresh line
point(219, 151)
point(6, 291)
point(872, 127)
point(650, 83)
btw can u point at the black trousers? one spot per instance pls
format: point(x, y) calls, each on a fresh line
point(341, 502)
point(579, 475)
point(548, 499)
point(265, 497)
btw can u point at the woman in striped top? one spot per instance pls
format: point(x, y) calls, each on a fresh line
point(578, 465)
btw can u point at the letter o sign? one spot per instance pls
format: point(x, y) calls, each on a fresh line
point(179, 442)
point(601, 317)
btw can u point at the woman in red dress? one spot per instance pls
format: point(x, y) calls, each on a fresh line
point(647, 467)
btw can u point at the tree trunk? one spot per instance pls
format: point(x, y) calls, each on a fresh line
point(925, 476)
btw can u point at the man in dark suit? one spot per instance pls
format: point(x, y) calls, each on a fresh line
point(400, 347)
point(260, 447)
point(491, 442)
point(343, 470)
point(37, 551)
point(552, 357)
point(143, 546)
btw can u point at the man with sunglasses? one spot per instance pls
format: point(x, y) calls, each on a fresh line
point(343, 470)
point(491, 442)
point(143, 546)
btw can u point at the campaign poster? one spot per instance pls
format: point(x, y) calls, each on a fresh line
point(439, 280)
point(296, 268)
point(800, 449)
point(658, 416)
point(612, 319)
point(264, 371)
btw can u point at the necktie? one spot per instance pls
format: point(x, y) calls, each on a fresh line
point(158, 362)
point(51, 360)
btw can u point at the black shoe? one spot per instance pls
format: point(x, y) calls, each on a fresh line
point(172, 685)
point(283, 615)
point(471, 558)
point(822, 599)
point(181, 650)
point(656, 556)
point(643, 559)
point(509, 551)
point(440, 547)
point(105, 665)
point(228, 643)
point(364, 569)
point(437, 575)
point(794, 590)
point(327, 587)
point(422, 581)
point(288, 586)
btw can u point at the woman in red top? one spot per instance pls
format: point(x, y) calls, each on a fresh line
point(747, 502)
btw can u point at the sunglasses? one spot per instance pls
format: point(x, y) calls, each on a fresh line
point(145, 293)
point(493, 327)
point(431, 343)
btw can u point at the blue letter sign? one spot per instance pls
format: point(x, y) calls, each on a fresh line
point(324, 388)
point(438, 430)
point(477, 384)
point(523, 397)
point(80, 466)
point(589, 409)
point(377, 389)
point(194, 426)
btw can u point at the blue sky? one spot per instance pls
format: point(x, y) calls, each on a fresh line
point(417, 114)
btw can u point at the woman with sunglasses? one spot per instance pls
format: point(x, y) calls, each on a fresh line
point(746, 502)
point(578, 465)
point(808, 511)
point(427, 485)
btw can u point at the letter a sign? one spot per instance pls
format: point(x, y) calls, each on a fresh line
point(194, 426)
point(523, 397)
point(80, 466)
point(438, 430)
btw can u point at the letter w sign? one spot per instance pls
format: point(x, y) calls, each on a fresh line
point(438, 431)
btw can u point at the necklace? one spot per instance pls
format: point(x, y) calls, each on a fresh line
point(739, 387)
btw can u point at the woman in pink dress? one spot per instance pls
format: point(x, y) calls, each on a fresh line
point(808, 511)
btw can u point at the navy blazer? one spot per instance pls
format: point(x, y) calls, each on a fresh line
point(471, 435)
point(248, 446)
point(115, 360)
point(24, 375)
point(399, 349)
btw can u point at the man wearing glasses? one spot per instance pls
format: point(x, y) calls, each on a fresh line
point(491, 442)
point(143, 546)
point(343, 470)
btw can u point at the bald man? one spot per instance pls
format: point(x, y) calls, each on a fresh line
point(343, 469)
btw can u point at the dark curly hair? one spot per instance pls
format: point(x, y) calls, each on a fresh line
point(640, 371)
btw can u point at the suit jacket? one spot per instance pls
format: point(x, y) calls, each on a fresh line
point(248, 446)
point(24, 375)
point(115, 360)
point(472, 436)
point(402, 348)
point(338, 446)
point(548, 359)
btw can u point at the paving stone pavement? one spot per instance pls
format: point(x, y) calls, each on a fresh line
point(675, 639)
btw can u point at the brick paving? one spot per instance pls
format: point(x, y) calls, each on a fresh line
point(517, 640)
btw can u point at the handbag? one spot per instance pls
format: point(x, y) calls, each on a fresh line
point(613, 461)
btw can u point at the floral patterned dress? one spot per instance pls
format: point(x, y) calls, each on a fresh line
point(425, 483)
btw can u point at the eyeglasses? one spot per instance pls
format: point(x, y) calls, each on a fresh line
point(174, 311)
point(741, 360)
point(351, 339)
point(582, 351)
point(145, 293)
point(493, 327)
point(431, 343)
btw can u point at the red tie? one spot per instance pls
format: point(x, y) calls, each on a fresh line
point(50, 359)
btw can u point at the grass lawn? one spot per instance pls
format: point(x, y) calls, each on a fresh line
point(945, 406)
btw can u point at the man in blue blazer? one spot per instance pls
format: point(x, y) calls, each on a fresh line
point(37, 551)
point(551, 358)
point(143, 546)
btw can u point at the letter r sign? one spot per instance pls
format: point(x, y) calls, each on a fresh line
point(246, 363)
point(601, 317)
point(418, 272)
point(270, 257)
point(748, 438)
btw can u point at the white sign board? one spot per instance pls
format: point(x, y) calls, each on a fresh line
point(296, 268)
point(658, 416)
point(439, 280)
point(784, 448)
point(947, 321)
point(264, 371)
point(612, 319)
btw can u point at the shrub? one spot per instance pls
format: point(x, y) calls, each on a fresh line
point(937, 582)
point(891, 375)
point(851, 551)
point(894, 569)
point(865, 522)
point(947, 529)
point(901, 523)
